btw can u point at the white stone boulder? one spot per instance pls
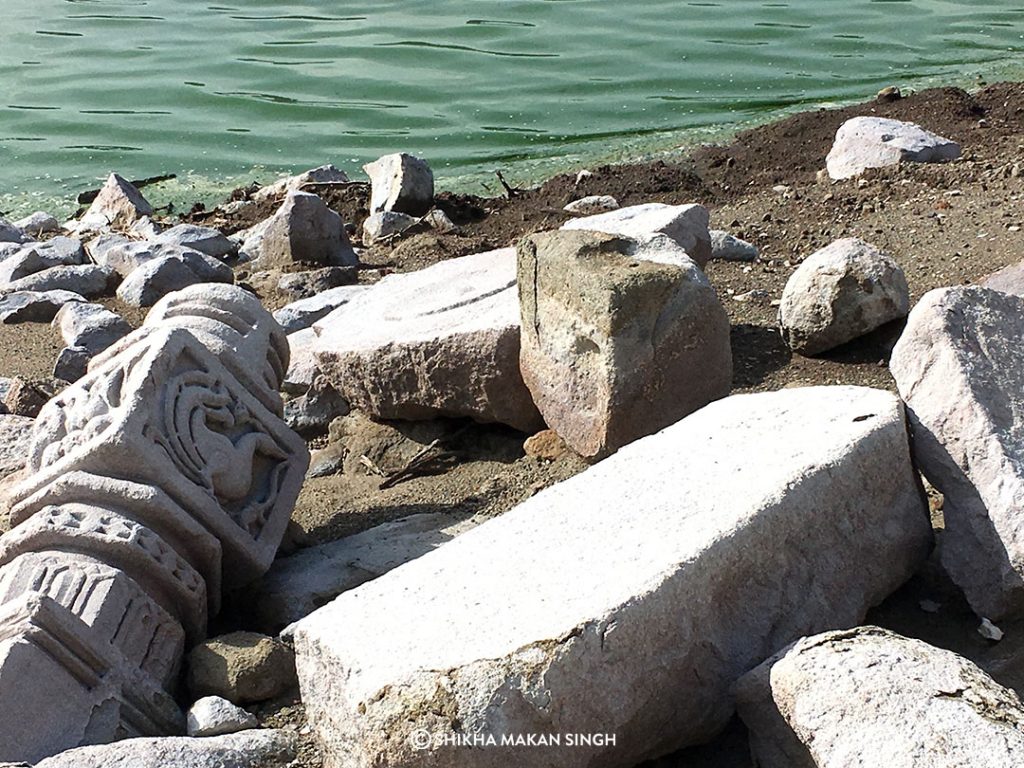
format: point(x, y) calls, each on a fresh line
point(304, 312)
point(726, 247)
point(618, 339)
point(840, 293)
point(876, 142)
point(151, 281)
point(628, 599)
point(32, 307)
point(91, 326)
point(868, 697)
point(38, 223)
point(264, 748)
point(9, 233)
point(35, 257)
point(118, 205)
point(384, 224)
point(214, 716)
point(303, 230)
point(88, 280)
point(686, 224)
point(324, 174)
point(206, 240)
point(443, 341)
point(402, 183)
point(297, 585)
point(959, 365)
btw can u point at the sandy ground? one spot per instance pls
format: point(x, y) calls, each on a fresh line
point(945, 225)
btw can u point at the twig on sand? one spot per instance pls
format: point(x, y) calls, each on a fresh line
point(417, 463)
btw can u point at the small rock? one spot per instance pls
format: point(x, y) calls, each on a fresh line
point(325, 174)
point(303, 230)
point(39, 223)
point(304, 312)
point(384, 224)
point(72, 363)
point(402, 183)
point(438, 220)
point(545, 445)
point(242, 667)
point(725, 247)
point(876, 142)
point(118, 205)
point(889, 93)
point(326, 461)
point(840, 293)
point(587, 206)
point(97, 247)
point(88, 280)
point(687, 225)
point(145, 228)
point(31, 307)
point(91, 326)
point(214, 716)
point(153, 280)
point(313, 412)
point(206, 240)
point(26, 398)
point(314, 282)
point(990, 631)
point(265, 748)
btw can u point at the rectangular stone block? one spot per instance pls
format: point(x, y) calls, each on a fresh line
point(625, 602)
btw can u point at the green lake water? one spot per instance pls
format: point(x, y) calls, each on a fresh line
point(225, 92)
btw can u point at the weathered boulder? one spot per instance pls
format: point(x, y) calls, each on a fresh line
point(206, 240)
point(875, 142)
point(9, 233)
point(313, 411)
point(91, 326)
point(242, 667)
point(304, 312)
point(72, 363)
point(214, 716)
point(297, 585)
point(125, 257)
point(726, 247)
point(383, 224)
point(35, 257)
point(303, 229)
point(402, 183)
point(587, 206)
point(15, 436)
point(686, 224)
point(959, 365)
point(443, 341)
point(32, 307)
point(98, 246)
point(239, 750)
point(324, 174)
point(618, 341)
point(840, 293)
point(151, 281)
point(869, 697)
point(88, 280)
point(628, 599)
point(1008, 279)
point(38, 223)
point(118, 205)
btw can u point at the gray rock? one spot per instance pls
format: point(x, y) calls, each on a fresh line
point(402, 183)
point(1008, 280)
point(88, 280)
point(869, 697)
point(303, 367)
point(443, 341)
point(146, 228)
point(313, 282)
point(630, 598)
point(325, 174)
point(127, 256)
point(297, 585)
point(15, 439)
point(91, 326)
point(72, 363)
point(38, 223)
point(383, 224)
point(325, 462)
point(214, 716)
point(242, 667)
point(97, 247)
point(959, 365)
point(118, 205)
point(303, 230)
point(264, 748)
point(9, 233)
point(725, 247)
point(206, 240)
point(840, 293)
point(587, 206)
point(313, 412)
point(876, 142)
point(153, 280)
point(687, 225)
point(618, 340)
point(438, 220)
point(31, 307)
point(60, 251)
point(304, 312)
point(9, 249)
